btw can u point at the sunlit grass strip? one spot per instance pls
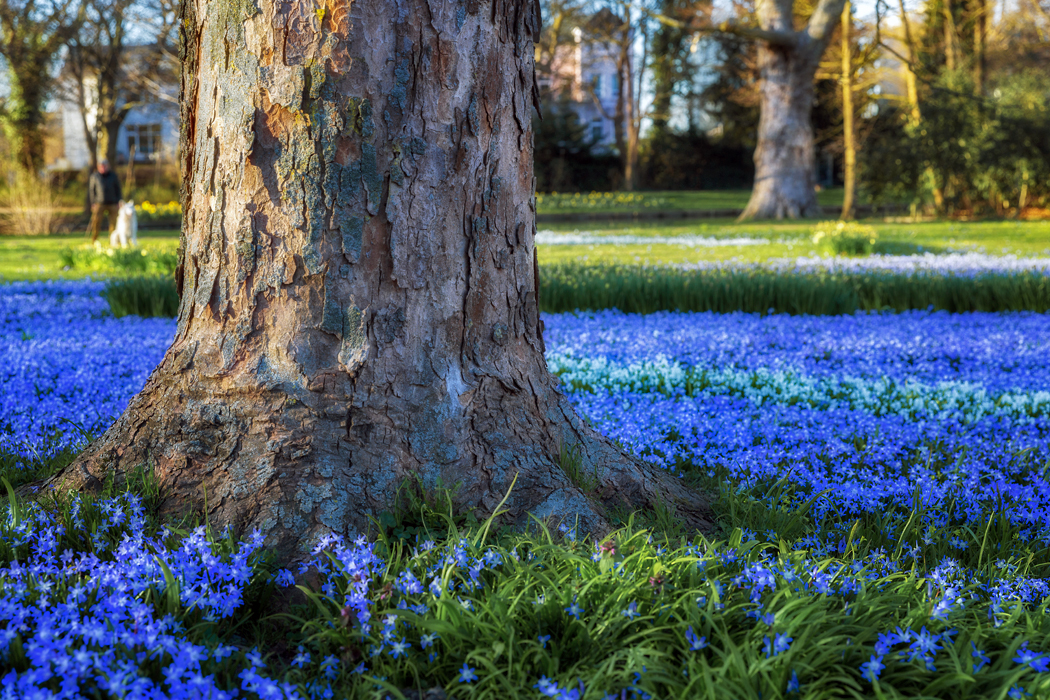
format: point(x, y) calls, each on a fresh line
point(588, 238)
point(100, 258)
point(599, 200)
point(634, 289)
point(949, 400)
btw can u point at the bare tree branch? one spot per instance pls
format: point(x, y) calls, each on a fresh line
point(771, 36)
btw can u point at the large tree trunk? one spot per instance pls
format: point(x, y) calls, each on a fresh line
point(358, 280)
point(787, 63)
point(785, 169)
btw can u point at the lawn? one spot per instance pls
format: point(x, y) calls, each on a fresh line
point(702, 240)
point(645, 202)
point(883, 497)
point(725, 240)
point(40, 257)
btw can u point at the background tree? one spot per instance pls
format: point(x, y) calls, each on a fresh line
point(31, 34)
point(564, 155)
point(849, 144)
point(787, 62)
point(672, 47)
point(964, 147)
point(358, 282)
point(617, 25)
point(732, 98)
point(848, 84)
point(109, 76)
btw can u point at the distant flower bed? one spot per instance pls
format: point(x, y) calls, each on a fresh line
point(151, 212)
point(959, 264)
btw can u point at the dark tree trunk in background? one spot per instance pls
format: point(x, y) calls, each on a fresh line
point(849, 144)
point(787, 63)
point(358, 280)
point(980, 41)
point(30, 38)
point(785, 169)
point(667, 47)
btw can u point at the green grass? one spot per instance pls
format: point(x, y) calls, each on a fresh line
point(516, 627)
point(144, 296)
point(701, 200)
point(41, 257)
point(633, 289)
point(793, 239)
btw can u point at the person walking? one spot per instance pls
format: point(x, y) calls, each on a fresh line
point(104, 195)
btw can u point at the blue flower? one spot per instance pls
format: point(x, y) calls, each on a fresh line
point(870, 670)
point(467, 675)
point(925, 643)
point(778, 645)
point(544, 638)
point(695, 643)
point(574, 609)
point(1038, 662)
point(547, 687)
point(398, 649)
point(793, 686)
point(980, 656)
point(301, 658)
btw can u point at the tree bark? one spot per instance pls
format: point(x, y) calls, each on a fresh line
point(849, 145)
point(980, 40)
point(950, 37)
point(626, 121)
point(358, 280)
point(25, 121)
point(30, 37)
point(909, 68)
point(787, 63)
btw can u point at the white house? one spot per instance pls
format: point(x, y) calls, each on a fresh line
point(586, 71)
point(150, 130)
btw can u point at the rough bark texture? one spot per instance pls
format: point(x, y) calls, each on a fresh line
point(358, 279)
point(784, 156)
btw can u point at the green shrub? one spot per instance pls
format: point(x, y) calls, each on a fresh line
point(142, 296)
point(633, 289)
point(98, 258)
point(846, 237)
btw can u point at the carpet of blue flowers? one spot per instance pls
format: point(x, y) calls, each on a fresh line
point(871, 461)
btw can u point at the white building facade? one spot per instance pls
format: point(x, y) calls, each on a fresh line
point(150, 129)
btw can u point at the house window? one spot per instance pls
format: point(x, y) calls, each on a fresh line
point(614, 81)
point(145, 139)
point(597, 132)
point(596, 84)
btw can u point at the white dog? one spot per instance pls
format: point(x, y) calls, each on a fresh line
point(127, 228)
